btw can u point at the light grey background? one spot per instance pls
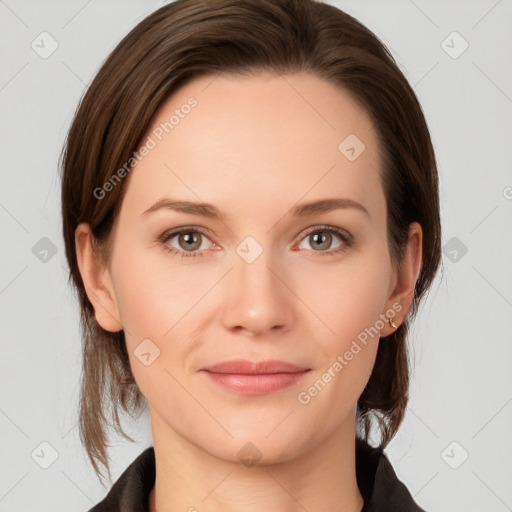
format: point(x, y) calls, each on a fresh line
point(461, 389)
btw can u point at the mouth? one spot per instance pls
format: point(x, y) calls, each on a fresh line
point(255, 378)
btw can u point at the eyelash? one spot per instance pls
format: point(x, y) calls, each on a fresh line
point(346, 238)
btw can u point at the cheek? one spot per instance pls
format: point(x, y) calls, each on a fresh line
point(350, 304)
point(351, 307)
point(150, 303)
point(160, 301)
point(350, 297)
point(152, 291)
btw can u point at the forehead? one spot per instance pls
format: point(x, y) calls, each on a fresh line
point(265, 135)
point(275, 108)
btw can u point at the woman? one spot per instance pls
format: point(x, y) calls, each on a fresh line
point(251, 218)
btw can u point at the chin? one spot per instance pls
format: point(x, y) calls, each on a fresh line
point(258, 448)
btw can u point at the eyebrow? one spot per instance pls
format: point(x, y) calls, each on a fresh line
point(300, 210)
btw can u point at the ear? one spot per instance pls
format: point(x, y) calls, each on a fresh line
point(97, 280)
point(400, 301)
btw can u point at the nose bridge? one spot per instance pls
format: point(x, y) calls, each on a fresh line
point(256, 299)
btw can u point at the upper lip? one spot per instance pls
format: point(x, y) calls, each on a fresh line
point(241, 366)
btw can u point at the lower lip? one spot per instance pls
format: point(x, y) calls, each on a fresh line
point(256, 384)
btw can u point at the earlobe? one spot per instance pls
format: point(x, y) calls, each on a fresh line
point(408, 273)
point(97, 281)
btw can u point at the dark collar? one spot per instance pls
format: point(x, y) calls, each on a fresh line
point(380, 488)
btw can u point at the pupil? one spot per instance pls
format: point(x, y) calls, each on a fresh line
point(321, 238)
point(189, 239)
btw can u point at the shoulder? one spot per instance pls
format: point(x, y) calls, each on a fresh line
point(380, 487)
point(130, 493)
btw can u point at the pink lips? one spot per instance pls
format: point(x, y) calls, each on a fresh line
point(255, 377)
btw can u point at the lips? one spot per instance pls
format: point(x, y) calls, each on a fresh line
point(255, 378)
point(243, 367)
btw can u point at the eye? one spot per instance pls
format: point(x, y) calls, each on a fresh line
point(189, 241)
point(321, 237)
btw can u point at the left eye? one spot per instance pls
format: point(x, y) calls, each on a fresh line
point(321, 239)
point(190, 239)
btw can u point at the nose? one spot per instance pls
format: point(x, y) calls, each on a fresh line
point(258, 296)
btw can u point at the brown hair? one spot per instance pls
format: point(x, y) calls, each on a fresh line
point(189, 38)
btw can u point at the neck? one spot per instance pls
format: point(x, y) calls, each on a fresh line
point(188, 478)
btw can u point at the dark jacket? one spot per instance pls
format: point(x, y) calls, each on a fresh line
point(380, 488)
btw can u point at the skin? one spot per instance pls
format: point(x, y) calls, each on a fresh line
point(254, 147)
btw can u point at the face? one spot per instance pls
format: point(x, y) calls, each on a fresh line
point(258, 275)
